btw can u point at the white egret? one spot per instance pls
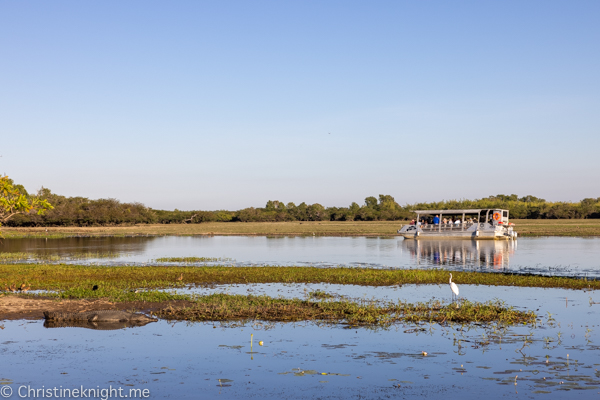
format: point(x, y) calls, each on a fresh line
point(453, 287)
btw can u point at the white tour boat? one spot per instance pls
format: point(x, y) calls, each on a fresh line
point(460, 224)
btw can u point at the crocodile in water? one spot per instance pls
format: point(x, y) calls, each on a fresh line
point(101, 326)
point(98, 316)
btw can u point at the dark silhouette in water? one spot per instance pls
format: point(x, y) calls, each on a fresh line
point(101, 320)
point(98, 316)
point(101, 326)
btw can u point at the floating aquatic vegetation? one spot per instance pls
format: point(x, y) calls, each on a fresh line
point(319, 294)
point(308, 372)
point(192, 259)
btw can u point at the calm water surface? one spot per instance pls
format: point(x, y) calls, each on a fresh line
point(548, 255)
point(559, 358)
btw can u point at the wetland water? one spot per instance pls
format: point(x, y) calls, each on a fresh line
point(547, 255)
point(558, 358)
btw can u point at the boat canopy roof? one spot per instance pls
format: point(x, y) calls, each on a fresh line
point(465, 211)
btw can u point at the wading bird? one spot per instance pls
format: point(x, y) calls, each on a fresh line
point(454, 288)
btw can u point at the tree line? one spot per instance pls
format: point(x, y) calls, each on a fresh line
point(81, 211)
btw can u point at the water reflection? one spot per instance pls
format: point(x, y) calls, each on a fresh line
point(100, 326)
point(549, 255)
point(468, 254)
point(75, 245)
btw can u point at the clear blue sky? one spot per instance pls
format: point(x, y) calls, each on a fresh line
point(227, 104)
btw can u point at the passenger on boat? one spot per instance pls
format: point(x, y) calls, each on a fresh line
point(412, 222)
point(458, 221)
point(436, 220)
point(445, 221)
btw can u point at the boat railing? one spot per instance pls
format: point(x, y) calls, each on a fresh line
point(450, 227)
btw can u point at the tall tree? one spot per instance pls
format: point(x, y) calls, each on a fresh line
point(387, 202)
point(371, 202)
point(15, 200)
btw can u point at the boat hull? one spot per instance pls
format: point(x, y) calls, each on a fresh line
point(461, 236)
point(470, 232)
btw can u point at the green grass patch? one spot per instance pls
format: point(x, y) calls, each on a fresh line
point(119, 295)
point(65, 276)
point(141, 284)
point(223, 307)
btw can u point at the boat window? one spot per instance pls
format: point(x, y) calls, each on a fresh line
point(505, 214)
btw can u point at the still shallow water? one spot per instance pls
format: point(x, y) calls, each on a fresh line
point(547, 255)
point(557, 359)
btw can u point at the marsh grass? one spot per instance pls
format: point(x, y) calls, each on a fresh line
point(305, 228)
point(119, 295)
point(20, 256)
point(557, 227)
point(141, 284)
point(218, 307)
point(525, 227)
point(42, 276)
point(62, 277)
point(191, 259)
point(240, 308)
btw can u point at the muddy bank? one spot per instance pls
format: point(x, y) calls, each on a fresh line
point(21, 307)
